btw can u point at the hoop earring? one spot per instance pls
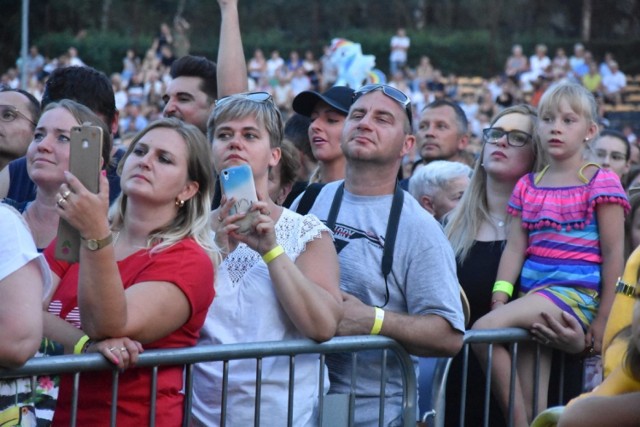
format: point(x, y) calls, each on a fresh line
point(179, 203)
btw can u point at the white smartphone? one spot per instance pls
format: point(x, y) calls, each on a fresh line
point(237, 182)
point(85, 160)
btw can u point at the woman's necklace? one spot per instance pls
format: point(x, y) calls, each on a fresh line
point(498, 221)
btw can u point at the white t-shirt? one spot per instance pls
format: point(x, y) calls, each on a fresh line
point(273, 65)
point(614, 82)
point(538, 65)
point(399, 48)
point(17, 248)
point(422, 281)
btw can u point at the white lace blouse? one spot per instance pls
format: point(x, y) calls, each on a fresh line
point(246, 309)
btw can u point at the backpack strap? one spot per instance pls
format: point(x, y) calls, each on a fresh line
point(309, 198)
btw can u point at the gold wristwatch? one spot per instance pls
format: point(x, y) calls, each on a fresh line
point(625, 288)
point(97, 244)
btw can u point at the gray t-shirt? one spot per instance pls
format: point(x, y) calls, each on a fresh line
point(422, 281)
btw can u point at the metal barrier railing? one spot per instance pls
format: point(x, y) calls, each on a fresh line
point(511, 336)
point(186, 357)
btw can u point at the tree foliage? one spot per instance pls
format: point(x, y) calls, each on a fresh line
point(487, 28)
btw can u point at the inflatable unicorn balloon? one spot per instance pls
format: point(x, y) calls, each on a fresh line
point(354, 68)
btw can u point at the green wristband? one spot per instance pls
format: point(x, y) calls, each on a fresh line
point(503, 286)
point(81, 345)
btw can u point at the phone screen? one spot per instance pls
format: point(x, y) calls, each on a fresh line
point(237, 182)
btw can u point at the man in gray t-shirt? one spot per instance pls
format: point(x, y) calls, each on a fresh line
point(419, 306)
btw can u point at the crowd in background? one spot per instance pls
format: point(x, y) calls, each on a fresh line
point(139, 86)
point(142, 91)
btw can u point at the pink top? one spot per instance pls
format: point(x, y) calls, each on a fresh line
point(561, 220)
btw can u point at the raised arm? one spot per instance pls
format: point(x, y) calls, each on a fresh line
point(147, 310)
point(232, 66)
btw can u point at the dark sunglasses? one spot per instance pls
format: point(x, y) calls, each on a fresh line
point(251, 96)
point(515, 138)
point(392, 93)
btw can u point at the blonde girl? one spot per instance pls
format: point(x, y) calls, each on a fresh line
point(566, 260)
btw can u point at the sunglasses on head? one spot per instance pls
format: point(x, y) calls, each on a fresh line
point(392, 93)
point(251, 96)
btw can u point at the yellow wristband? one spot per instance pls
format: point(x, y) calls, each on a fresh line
point(272, 254)
point(377, 322)
point(503, 286)
point(77, 349)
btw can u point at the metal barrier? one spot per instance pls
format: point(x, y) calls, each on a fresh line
point(511, 336)
point(188, 356)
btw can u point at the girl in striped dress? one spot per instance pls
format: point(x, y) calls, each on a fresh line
point(565, 245)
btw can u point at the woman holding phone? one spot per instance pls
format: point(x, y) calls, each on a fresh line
point(47, 159)
point(278, 280)
point(145, 273)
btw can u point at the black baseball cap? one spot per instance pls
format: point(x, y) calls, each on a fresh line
point(338, 97)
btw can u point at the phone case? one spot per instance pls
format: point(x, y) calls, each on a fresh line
point(237, 182)
point(85, 159)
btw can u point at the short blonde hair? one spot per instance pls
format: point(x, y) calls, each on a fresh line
point(577, 96)
point(240, 106)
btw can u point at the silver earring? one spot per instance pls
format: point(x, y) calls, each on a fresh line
point(586, 139)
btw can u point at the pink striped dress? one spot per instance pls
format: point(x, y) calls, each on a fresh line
point(564, 259)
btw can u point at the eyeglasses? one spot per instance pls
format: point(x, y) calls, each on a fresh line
point(392, 93)
point(515, 138)
point(9, 113)
point(251, 96)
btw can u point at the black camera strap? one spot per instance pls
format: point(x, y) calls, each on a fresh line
point(390, 234)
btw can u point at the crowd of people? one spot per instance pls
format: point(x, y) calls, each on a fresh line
point(521, 205)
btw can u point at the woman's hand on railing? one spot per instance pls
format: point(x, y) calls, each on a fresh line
point(122, 352)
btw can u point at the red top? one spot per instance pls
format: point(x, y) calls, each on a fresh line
point(184, 264)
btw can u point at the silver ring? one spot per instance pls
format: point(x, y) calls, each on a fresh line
point(66, 194)
point(220, 219)
point(123, 349)
point(60, 200)
point(267, 213)
point(112, 348)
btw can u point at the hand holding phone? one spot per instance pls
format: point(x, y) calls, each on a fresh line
point(85, 160)
point(237, 182)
